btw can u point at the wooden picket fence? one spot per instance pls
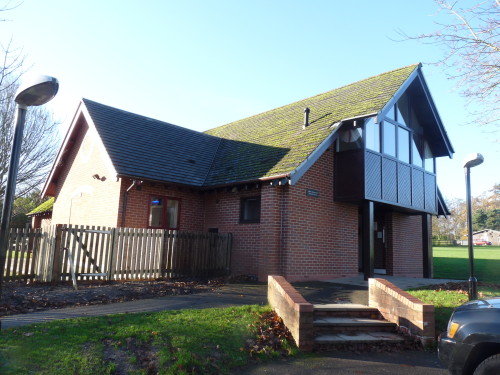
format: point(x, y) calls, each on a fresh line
point(101, 253)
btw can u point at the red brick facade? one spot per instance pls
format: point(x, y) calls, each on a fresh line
point(303, 233)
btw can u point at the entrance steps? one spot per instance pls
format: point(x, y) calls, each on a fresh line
point(336, 325)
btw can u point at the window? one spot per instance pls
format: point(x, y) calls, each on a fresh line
point(163, 212)
point(372, 135)
point(429, 159)
point(417, 151)
point(403, 145)
point(350, 138)
point(389, 140)
point(250, 210)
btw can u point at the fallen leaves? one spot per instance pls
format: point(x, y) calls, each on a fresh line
point(272, 336)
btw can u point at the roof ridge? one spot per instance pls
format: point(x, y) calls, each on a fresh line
point(314, 96)
point(85, 100)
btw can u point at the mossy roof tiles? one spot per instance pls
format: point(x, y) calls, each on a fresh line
point(44, 207)
point(275, 143)
point(269, 144)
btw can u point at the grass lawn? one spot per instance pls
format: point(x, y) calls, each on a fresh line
point(445, 301)
point(453, 263)
point(209, 341)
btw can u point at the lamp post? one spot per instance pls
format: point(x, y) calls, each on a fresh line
point(35, 92)
point(470, 161)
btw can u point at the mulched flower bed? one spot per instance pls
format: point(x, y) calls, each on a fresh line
point(21, 298)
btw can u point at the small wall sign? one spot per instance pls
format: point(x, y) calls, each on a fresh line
point(312, 193)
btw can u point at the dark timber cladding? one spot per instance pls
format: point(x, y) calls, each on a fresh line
point(364, 174)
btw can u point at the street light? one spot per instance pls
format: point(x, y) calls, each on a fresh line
point(34, 92)
point(470, 161)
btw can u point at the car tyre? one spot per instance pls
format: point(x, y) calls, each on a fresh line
point(490, 366)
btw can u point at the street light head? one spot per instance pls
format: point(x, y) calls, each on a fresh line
point(473, 160)
point(37, 91)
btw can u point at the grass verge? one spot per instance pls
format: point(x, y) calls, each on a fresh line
point(453, 263)
point(208, 341)
point(445, 301)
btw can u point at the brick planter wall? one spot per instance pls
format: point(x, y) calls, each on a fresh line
point(296, 312)
point(408, 312)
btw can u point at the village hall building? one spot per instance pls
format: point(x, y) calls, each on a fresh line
point(336, 184)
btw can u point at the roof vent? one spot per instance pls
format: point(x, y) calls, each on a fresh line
point(306, 117)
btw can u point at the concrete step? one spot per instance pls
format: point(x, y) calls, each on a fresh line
point(346, 310)
point(358, 338)
point(343, 324)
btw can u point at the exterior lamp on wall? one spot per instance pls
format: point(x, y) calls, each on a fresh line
point(34, 92)
point(470, 161)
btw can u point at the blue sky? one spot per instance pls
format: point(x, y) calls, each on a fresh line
point(201, 64)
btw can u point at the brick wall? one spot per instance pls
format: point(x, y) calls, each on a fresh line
point(137, 211)
point(222, 211)
point(405, 245)
point(410, 314)
point(80, 198)
point(321, 234)
point(296, 312)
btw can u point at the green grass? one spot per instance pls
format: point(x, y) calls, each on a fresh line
point(445, 301)
point(208, 341)
point(453, 263)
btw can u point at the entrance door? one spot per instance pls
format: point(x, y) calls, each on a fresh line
point(380, 242)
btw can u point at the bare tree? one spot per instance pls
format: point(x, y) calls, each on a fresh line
point(40, 132)
point(471, 44)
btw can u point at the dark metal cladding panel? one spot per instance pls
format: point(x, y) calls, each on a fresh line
point(389, 180)
point(373, 179)
point(417, 189)
point(348, 175)
point(404, 184)
point(430, 193)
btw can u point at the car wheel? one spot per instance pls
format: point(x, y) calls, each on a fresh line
point(490, 366)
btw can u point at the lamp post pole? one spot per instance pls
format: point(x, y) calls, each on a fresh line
point(469, 162)
point(472, 279)
point(34, 93)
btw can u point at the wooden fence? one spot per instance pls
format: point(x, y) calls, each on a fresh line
point(103, 253)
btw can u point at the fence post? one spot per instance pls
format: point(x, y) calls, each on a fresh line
point(112, 251)
point(56, 260)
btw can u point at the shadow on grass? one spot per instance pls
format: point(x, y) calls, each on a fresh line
point(458, 268)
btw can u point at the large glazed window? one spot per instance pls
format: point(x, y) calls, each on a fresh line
point(163, 212)
point(350, 138)
point(429, 159)
point(403, 145)
point(372, 132)
point(389, 143)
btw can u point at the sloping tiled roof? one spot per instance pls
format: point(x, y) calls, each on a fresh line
point(274, 143)
point(270, 144)
point(150, 149)
point(44, 207)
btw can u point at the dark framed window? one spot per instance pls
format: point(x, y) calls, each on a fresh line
point(163, 212)
point(250, 210)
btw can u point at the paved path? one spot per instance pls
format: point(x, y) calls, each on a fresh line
point(345, 363)
point(352, 289)
point(228, 295)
